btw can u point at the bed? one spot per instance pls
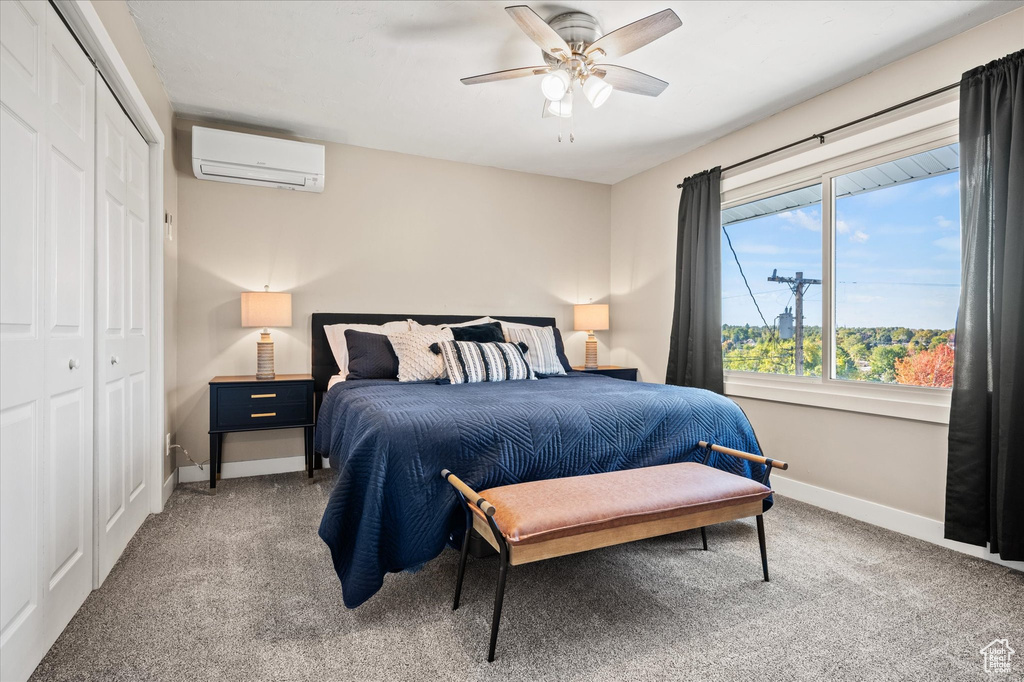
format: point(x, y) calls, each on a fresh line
point(391, 511)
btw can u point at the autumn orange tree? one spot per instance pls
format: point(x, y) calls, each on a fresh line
point(927, 367)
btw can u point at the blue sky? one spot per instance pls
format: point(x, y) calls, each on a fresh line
point(897, 258)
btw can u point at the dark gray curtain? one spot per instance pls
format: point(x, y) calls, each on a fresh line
point(695, 347)
point(985, 475)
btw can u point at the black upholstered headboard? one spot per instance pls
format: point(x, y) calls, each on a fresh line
point(323, 364)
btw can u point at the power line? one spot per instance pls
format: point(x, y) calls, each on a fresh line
point(747, 284)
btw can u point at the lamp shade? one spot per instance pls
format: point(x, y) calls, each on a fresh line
point(590, 317)
point(266, 309)
point(562, 107)
point(597, 91)
point(555, 84)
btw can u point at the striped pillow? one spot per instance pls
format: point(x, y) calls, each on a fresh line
point(470, 362)
point(542, 355)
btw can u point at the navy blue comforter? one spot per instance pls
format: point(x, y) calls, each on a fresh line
point(390, 509)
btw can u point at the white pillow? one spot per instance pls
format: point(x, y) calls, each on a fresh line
point(339, 347)
point(416, 362)
point(505, 326)
point(413, 324)
point(542, 355)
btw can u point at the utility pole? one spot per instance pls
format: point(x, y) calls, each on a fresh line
point(798, 285)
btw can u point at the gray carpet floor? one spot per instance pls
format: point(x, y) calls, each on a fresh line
point(236, 585)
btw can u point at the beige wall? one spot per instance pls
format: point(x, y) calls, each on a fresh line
point(390, 233)
point(119, 24)
point(893, 462)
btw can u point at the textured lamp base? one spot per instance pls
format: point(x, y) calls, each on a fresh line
point(265, 357)
point(590, 361)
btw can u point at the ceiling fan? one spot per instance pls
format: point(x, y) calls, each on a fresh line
point(574, 51)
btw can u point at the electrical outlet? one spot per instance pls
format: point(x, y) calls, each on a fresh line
point(167, 446)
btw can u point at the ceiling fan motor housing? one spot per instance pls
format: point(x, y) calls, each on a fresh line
point(579, 29)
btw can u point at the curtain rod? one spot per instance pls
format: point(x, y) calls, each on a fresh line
point(820, 137)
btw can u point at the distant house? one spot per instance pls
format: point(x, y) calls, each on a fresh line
point(997, 656)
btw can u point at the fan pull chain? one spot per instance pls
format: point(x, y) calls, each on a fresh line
point(572, 118)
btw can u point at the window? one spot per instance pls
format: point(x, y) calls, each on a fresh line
point(884, 275)
point(897, 269)
point(771, 274)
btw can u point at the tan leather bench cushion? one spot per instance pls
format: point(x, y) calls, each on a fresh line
point(561, 507)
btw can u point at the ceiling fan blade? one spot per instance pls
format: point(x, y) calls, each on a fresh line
point(633, 36)
point(539, 32)
point(628, 80)
point(507, 74)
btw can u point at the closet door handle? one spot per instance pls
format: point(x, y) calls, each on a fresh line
point(114, 359)
point(73, 364)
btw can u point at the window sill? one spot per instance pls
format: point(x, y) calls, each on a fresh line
point(918, 404)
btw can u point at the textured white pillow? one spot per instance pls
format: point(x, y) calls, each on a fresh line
point(416, 362)
point(542, 354)
point(339, 347)
point(413, 324)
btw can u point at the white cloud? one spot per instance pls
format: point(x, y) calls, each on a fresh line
point(842, 227)
point(859, 237)
point(943, 222)
point(802, 218)
point(948, 244)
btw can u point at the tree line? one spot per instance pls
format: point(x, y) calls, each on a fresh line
point(922, 357)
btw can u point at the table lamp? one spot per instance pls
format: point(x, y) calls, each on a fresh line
point(591, 317)
point(266, 309)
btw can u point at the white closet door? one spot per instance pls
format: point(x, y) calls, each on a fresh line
point(122, 348)
point(47, 90)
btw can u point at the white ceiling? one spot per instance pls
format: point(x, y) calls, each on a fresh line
point(386, 75)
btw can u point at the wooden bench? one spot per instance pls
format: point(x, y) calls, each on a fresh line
point(539, 520)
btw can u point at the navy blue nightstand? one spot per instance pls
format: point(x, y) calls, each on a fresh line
point(243, 403)
point(624, 373)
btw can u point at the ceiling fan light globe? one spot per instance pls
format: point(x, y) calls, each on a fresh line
point(597, 91)
point(561, 108)
point(555, 85)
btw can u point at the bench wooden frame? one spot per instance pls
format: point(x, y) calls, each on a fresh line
point(480, 518)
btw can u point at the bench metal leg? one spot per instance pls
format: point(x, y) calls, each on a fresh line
point(462, 566)
point(764, 552)
point(704, 538)
point(499, 597)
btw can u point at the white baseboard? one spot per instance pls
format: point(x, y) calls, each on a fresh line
point(252, 467)
point(920, 527)
point(169, 485)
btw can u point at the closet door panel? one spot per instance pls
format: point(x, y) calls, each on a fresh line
point(137, 304)
point(68, 528)
point(111, 455)
point(122, 280)
point(21, 250)
point(19, 520)
point(136, 470)
point(47, 90)
point(67, 462)
point(22, 392)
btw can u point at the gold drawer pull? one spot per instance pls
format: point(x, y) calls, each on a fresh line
point(263, 395)
point(264, 414)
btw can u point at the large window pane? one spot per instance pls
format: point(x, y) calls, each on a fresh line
point(897, 272)
point(775, 244)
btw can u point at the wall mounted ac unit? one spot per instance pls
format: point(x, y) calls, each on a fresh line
point(225, 156)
